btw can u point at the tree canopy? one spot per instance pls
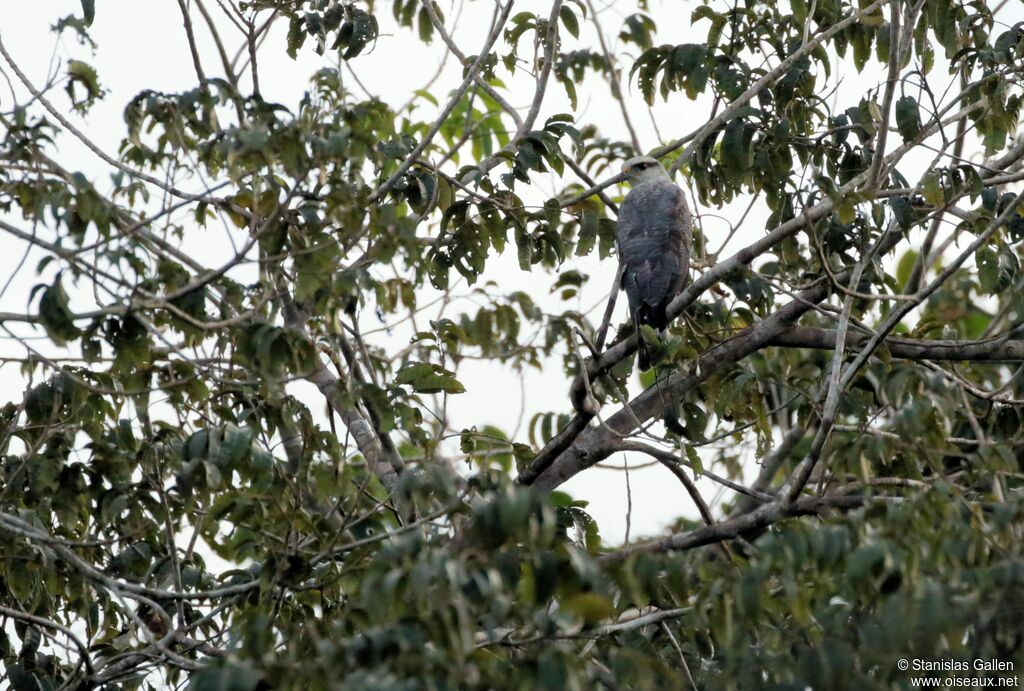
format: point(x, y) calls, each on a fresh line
point(231, 462)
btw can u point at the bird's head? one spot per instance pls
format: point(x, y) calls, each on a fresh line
point(642, 169)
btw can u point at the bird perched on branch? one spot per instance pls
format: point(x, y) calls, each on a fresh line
point(654, 232)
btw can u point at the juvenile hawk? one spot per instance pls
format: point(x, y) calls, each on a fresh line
point(654, 244)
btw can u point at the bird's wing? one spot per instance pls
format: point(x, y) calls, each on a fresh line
point(654, 245)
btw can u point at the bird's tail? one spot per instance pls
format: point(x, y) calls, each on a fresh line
point(641, 318)
point(643, 358)
point(654, 316)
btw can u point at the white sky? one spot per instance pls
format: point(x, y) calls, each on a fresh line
point(142, 46)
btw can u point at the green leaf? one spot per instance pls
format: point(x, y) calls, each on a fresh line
point(89, 11)
point(865, 562)
point(735, 152)
point(296, 36)
point(695, 421)
point(902, 211)
point(572, 25)
point(84, 75)
point(799, 8)
point(570, 91)
point(590, 607)
point(424, 26)
point(931, 189)
point(908, 118)
point(688, 62)
point(606, 234)
point(588, 233)
point(230, 677)
point(996, 269)
point(905, 266)
point(262, 466)
point(55, 316)
point(846, 209)
point(695, 460)
point(236, 444)
point(22, 680)
point(524, 247)
point(637, 29)
point(425, 377)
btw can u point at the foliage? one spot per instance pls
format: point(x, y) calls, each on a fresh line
point(220, 477)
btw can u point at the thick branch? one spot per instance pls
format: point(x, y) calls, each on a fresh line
point(562, 441)
point(994, 350)
point(745, 523)
point(594, 443)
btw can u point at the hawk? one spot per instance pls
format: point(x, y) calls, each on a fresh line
point(654, 244)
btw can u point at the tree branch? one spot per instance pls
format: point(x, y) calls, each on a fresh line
point(1000, 349)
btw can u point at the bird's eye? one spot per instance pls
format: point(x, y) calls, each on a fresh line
point(641, 166)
